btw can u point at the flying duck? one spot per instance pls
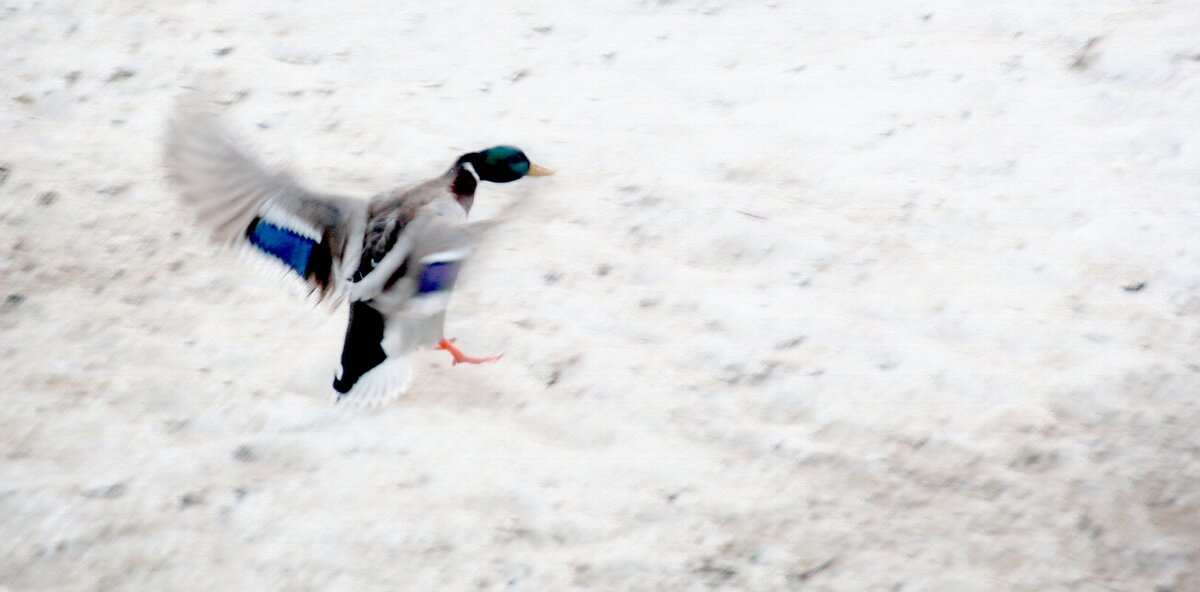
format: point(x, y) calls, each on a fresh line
point(393, 256)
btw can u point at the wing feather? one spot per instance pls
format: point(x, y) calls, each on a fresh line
point(230, 193)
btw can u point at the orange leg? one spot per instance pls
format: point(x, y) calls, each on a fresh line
point(460, 357)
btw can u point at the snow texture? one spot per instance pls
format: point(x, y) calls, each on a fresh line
point(830, 295)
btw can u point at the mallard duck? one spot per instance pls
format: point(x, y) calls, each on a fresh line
point(394, 256)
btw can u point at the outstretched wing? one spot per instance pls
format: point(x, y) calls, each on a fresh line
point(242, 203)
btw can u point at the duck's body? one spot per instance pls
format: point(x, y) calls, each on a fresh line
point(394, 256)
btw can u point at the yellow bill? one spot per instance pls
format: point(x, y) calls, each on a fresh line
point(537, 170)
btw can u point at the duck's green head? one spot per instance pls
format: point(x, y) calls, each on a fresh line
point(502, 164)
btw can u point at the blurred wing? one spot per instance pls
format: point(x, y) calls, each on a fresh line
point(400, 306)
point(423, 260)
point(243, 204)
point(438, 254)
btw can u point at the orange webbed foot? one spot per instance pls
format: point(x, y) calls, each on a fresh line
point(460, 357)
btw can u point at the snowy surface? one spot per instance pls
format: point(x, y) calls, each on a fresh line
point(834, 295)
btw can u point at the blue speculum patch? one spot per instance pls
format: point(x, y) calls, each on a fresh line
point(283, 244)
point(437, 276)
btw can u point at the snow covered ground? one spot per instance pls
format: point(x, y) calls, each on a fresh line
point(832, 295)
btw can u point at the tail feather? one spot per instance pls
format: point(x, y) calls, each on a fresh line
point(381, 384)
point(369, 373)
